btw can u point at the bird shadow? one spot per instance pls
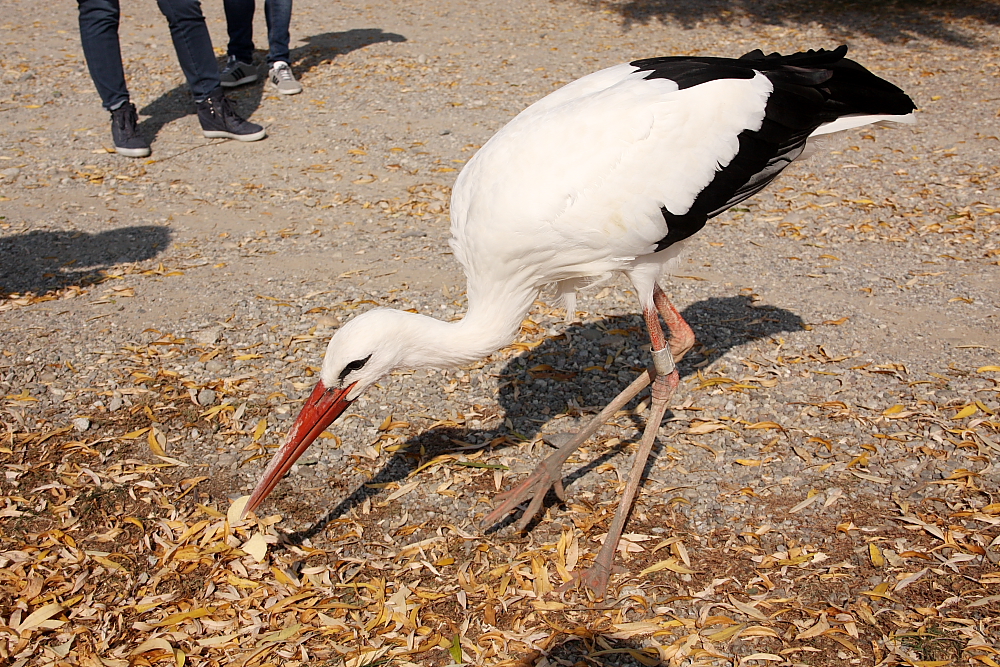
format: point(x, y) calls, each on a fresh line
point(719, 323)
point(889, 21)
point(39, 261)
point(320, 49)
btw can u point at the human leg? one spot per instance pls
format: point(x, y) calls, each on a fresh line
point(239, 67)
point(239, 25)
point(99, 21)
point(193, 45)
point(278, 14)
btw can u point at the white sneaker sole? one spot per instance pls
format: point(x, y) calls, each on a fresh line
point(132, 152)
point(221, 134)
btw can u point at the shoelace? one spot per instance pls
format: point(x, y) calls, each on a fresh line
point(126, 121)
point(284, 73)
point(225, 110)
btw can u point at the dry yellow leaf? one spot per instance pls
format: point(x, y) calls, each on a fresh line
point(155, 644)
point(176, 619)
point(818, 628)
point(671, 564)
point(701, 428)
point(256, 547)
point(967, 411)
point(748, 609)
point(235, 513)
point(548, 605)
point(876, 555)
point(157, 441)
point(726, 633)
point(765, 425)
point(40, 618)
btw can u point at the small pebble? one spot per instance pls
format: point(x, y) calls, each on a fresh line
point(81, 424)
point(206, 397)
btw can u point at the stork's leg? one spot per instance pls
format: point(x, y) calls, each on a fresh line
point(596, 577)
point(681, 334)
point(548, 475)
point(665, 383)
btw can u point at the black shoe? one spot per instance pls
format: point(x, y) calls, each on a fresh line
point(125, 133)
point(219, 121)
point(236, 73)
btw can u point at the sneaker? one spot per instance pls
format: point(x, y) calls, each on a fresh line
point(125, 133)
point(236, 73)
point(283, 79)
point(219, 121)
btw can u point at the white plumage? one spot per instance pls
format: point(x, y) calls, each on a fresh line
point(611, 173)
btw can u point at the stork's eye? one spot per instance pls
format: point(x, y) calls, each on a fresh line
point(353, 366)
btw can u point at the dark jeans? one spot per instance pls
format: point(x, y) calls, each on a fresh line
point(99, 35)
point(239, 21)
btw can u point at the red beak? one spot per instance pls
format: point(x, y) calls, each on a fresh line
point(320, 410)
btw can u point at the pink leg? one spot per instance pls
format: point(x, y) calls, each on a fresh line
point(548, 475)
point(665, 383)
point(681, 334)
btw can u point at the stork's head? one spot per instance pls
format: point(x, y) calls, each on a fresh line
point(365, 349)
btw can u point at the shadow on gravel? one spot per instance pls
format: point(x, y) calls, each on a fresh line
point(320, 50)
point(890, 21)
point(719, 323)
point(40, 261)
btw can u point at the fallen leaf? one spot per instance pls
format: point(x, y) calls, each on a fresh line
point(40, 618)
point(875, 555)
point(155, 644)
point(701, 428)
point(235, 513)
point(256, 547)
point(671, 564)
point(967, 411)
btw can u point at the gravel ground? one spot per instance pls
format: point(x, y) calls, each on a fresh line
point(845, 383)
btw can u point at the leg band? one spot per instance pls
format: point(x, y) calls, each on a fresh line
point(663, 361)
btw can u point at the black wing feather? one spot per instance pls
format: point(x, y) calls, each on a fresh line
point(810, 88)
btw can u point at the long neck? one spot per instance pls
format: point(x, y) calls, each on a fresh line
point(492, 321)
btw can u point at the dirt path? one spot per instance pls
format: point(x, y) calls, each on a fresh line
point(825, 490)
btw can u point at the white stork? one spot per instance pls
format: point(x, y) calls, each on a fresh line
point(611, 173)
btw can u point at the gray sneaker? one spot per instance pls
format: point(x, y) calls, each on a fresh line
point(236, 73)
point(282, 78)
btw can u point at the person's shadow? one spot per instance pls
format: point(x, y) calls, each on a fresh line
point(719, 323)
point(320, 50)
point(38, 261)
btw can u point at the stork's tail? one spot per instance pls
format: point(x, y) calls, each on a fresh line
point(853, 95)
point(851, 122)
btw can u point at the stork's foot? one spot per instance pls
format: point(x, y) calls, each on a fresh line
point(596, 578)
point(547, 476)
